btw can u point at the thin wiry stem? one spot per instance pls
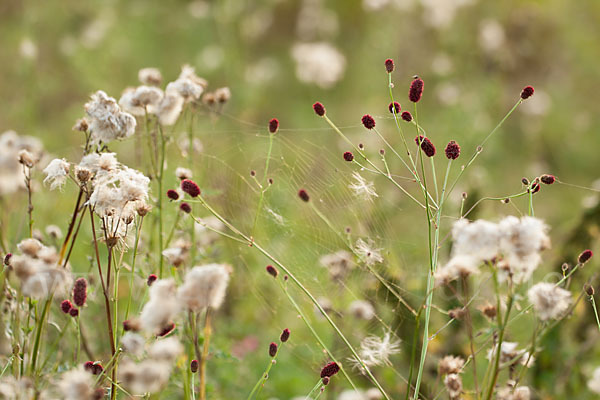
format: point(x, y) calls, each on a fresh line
point(263, 186)
point(376, 168)
point(299, 284)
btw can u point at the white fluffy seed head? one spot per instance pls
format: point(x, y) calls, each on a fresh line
point(76, 384)
point(204, 286)
point(56, 173)
point(162, 307)
point(549, 301)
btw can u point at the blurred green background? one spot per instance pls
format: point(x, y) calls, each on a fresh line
point(474, 56)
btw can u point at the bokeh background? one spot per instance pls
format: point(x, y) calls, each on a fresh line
point(278, 57)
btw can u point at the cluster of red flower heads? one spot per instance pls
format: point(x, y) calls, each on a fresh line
point(79, 298)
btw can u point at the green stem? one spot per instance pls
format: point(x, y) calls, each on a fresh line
point(495, 370)
point(480, 147)
point(255, 245)
point(362, 154)
point(160, 200)
point(138, 233)
point(595, 311)
point(38, 334)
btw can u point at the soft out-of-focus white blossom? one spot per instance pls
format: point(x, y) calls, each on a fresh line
point(150, 76)
point(549, 301)
point(76, 384)
point(38, 270)
point(204, 286)
point(491, 35)
point(440, 14)
point(338, 264)
point(594, 383)
point(162, 307)
point(319, 63)
point(361, 309)
point(12, 177)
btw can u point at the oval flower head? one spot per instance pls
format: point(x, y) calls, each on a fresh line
point(204, 286)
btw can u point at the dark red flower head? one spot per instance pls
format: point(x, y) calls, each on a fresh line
point(74, 312)
point(585, 256)
point(452, 150)
point(406, 116)
point(536, 188)
point(185, 207)
point(190, 187)
point(426, 145)
point(194, 366)
point(7, 258)
point(326, 381)
point(151, 279)
point(66, 306)
point(348, 156)
point(416, 90)
point(389, 65)
point(168, 328)
point(285, 335)
point(330, 369)
point(93, 367)
point(395, 106)
point(368, 121)
point(273, 125)
point(172, 194)
point(272, 271)
point(303, 194)
point(547, 179)
point(527, 92)
point(273, 349)
point(319, 109)
point(80, 292)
